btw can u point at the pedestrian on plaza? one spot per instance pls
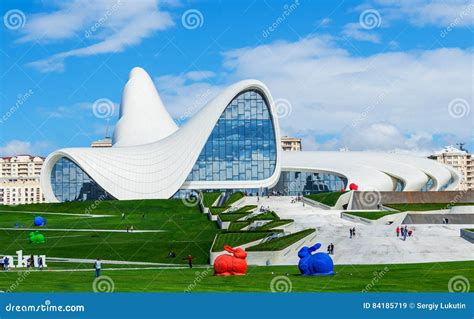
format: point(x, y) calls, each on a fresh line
point(97, 266)
point(405, 233)
point(332, 248)
point(353, 232)
point(398, 231)
point(40, 263)
point(329, 249)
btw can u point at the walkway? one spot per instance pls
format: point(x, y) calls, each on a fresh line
point(373, 244)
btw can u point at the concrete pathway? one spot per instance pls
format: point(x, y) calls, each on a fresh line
point(373, 244)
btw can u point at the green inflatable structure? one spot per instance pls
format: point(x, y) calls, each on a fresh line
point(36, 237)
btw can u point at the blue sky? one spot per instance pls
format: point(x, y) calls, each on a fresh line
point(380, 75)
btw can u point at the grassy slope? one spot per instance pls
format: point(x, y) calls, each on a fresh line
point(329, 198)
point(233, 198)
point(209, 198)
point(236, 238)
point(282, 242)
point(424, 206)
point(371, 215)
point(429, 277)
point(187, 231)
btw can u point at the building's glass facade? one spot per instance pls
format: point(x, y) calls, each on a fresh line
point(70, 183)
point(242, 145)
point(427, 186)
point(302, 183)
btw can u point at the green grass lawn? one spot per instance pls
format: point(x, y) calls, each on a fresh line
point(265, 216)
point(209, 198)
point(230, 217)
point(282, 242)
point(329, 198)
point(237, 238)
point(371, 215)
point(429, 277)
point(424, 206)
point(186, 231)
point(215, 210)
point(233, 198)
point(276, 223)
point(238, 225)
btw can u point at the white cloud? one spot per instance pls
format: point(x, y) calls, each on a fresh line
point(324, 22)
point(112, 25)
point(427, 12)
point(332, 91)
point(17, 147)
point(356, 32)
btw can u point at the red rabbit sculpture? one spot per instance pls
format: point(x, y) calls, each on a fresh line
point(227, 265)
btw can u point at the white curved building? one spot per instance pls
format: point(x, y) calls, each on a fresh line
point(231, 143)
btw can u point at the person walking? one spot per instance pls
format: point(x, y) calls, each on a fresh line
point(398, 231)
point(190, 261)
point(353, 232)
point(6, 263)
point(332, 248)
point(405, 233)
point(97, 266)
point(40, 263)
point(329, 249)
point(350, 232)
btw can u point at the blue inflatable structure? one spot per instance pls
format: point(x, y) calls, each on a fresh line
point(318, 264)
point(39, 221)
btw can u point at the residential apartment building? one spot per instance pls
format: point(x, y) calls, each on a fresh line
point(291, 143)
point(461, 160)
point(20, 180)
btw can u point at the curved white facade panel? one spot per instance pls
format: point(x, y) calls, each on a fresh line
point(159, 169)
point(375, 170)
point(152, 157)
point(143, 117)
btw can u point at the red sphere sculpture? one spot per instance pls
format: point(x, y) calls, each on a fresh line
point(353, 187)
point(235, 264)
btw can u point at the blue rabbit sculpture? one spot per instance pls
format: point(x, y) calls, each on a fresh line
point(318, 264)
